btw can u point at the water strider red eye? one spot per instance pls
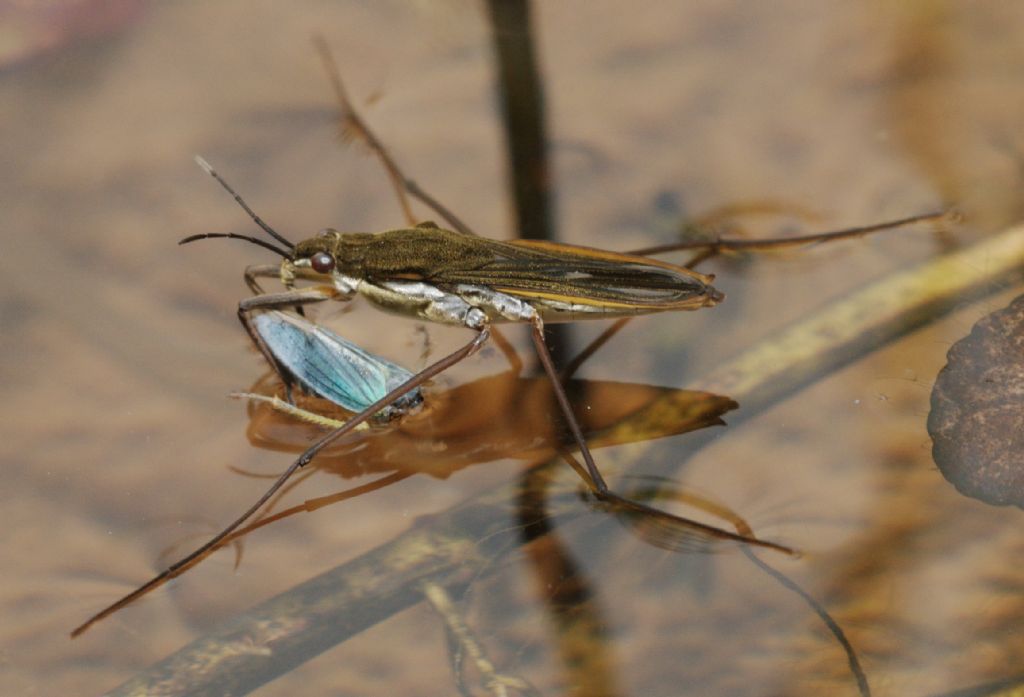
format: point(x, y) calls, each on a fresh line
point(322, 262)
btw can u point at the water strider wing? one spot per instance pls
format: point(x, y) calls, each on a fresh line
point(583, 275)
point(536, 269)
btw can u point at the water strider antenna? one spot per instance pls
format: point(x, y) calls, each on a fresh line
point(238, 199)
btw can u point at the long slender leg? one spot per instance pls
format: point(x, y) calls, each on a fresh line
point(304, 459)
point(353, 123)
point(597, 481)
point(715, 246)
point(600, 486)
point(692, 530)
point(572, 366)
point(310, 505)
point(712, 248)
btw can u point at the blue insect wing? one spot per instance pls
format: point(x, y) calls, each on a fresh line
point(331, 367)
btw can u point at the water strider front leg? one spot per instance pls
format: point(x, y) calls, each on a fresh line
point(286, 273)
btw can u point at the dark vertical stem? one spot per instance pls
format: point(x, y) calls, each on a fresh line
point(522, 107)
point(521, 97)
point(574, 612)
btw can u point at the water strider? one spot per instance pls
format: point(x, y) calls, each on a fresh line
point(455, 277)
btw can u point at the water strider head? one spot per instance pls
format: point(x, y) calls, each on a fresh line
point(424, 252)
point(331, 251)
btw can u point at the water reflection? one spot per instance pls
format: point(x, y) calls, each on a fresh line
point(498, 416)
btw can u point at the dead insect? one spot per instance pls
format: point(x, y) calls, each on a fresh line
point(328, 366)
